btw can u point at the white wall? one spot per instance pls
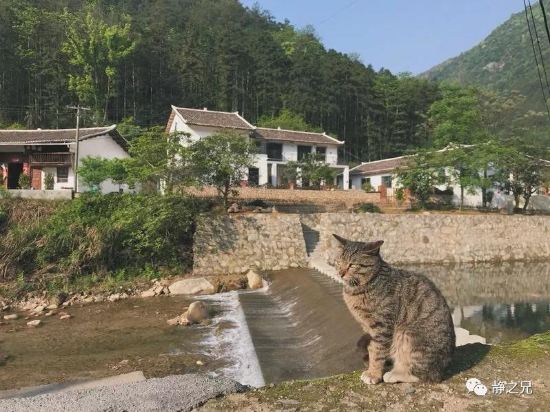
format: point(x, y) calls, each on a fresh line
point(69, 185)
point(375, 181)
point(332, 155)
point(290, 152)
point(105, 147)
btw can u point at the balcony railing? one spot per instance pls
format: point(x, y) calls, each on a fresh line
point(55, 159)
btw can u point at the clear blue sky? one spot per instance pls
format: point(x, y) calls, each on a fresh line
point(401, 35)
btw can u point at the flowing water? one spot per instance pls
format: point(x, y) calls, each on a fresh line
point(298, 327)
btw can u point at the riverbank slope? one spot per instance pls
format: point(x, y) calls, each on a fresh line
point(527, 360)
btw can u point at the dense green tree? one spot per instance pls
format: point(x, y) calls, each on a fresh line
point(222, 161)
point(134, 59)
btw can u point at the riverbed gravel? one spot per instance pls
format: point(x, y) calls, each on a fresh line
point(173, 393)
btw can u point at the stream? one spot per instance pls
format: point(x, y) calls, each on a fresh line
point(296, 328)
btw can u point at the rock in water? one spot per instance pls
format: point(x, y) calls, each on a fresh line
point(13, 316)
point(34, 323)
point(196, 286)
point(197, 312)
point(255, 281)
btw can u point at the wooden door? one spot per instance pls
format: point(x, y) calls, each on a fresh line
point(36, 178)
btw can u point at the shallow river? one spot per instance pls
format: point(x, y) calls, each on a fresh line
point(296, 328)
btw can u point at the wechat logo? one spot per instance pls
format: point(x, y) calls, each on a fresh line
point(474, 385)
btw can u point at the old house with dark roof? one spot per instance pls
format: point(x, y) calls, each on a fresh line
point(42, 152)
point(276, 147)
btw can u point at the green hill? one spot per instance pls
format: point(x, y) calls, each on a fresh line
point(502, 62)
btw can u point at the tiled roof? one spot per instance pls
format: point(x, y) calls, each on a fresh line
point(294, 136)
point(61, 136)
point(224, 120)
point(379, 166)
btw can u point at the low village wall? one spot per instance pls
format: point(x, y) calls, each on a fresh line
point(233, 244)
point(297, 196)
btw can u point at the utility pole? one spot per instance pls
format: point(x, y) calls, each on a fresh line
point(78, 109)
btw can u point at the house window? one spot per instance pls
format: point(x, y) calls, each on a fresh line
point(303, 151)
point(322, 152)
point(387, 181)
point(62, 174)
point(274, 151)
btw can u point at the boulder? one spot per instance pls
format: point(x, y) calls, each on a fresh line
point(148, 293)
point(34, 323)
point(197, 312)
point(65, 316)
point(539, 203)
point(195, 286)
point(13, 316)
point(255, 281)
point(234, 208)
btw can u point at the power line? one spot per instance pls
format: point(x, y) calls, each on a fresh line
point(539, 46)
point(541, 2)
point(536, 58)
point(334, 14)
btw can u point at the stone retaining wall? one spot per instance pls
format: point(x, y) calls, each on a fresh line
point(234, 244)
point(437, 238)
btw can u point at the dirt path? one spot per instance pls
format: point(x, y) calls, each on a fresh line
point(527, 360)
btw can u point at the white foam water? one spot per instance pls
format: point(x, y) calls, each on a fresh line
point(234, 343)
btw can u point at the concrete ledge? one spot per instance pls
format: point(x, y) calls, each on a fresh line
point(42, 194)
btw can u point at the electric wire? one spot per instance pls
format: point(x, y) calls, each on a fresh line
point(536, 58)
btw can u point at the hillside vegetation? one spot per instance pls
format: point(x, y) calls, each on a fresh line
point(136, 58)
point(503, 62)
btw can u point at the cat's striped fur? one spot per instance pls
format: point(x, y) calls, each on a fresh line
point(406, 318)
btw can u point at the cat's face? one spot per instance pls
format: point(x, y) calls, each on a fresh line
point(357, 258)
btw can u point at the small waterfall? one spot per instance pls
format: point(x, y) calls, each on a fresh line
point(301, 328)
point(234, 343)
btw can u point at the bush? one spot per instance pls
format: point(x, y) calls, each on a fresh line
point(49, 181)
point(257, 203)
point(95, 236)
point(368, 208)
point(367, 187)
point(24, 181)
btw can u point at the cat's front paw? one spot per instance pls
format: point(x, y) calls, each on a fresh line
point(370, 379)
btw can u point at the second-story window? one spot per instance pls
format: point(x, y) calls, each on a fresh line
point(321, 152)
point(303, 151)
point(274, 151)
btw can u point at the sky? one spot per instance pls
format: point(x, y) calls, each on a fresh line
point(400, 35)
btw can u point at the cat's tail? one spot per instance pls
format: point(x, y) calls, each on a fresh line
point(363, 346)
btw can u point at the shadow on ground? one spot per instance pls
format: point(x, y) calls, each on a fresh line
point(466, 357)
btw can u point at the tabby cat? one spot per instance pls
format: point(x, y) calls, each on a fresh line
point(405, 317)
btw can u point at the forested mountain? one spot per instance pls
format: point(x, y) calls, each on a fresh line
point(135, 58)
point(504, 61)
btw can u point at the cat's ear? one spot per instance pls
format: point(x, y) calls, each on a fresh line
point(373, 248)
point(340, 239)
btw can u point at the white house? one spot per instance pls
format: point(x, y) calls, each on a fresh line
point(384, 173)
point(42, 152)
point(276, 146)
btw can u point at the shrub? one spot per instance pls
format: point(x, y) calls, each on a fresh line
point(368, 208)
point(24, 181)
point(97, 237)
point(257, 203)
point(367, 187)
point(49, 181)
point(400, 195)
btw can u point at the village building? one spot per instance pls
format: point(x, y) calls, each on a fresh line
point(38, 153)
point(276, 147)
point(381, 176)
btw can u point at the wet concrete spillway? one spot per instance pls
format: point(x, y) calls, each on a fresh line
point(301, 328)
